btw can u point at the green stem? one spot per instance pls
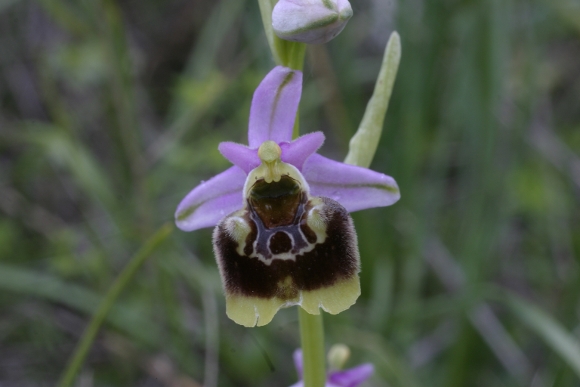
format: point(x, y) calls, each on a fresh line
point(291, 53)
point(312, 342)
point(78, 357)
point(285, 52)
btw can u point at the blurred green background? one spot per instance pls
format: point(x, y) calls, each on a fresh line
point(111, 111)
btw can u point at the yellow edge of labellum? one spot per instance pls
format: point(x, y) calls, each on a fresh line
point(255, 311)
point(333, 299)
point(252, 311)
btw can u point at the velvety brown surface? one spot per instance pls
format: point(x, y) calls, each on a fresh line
point(335, 259)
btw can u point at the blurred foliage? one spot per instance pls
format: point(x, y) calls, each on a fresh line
point(111, 111)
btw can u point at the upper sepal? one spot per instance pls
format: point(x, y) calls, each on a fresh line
point(274, 107)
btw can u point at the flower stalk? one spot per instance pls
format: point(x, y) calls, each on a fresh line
point(291, 53)
point(77, 359)
point(312, 343)
point(285, 53)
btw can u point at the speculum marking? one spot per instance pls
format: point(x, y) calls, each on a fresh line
point(280, 269)
point(280, 243)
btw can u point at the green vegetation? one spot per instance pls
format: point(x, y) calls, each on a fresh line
point(110, 112)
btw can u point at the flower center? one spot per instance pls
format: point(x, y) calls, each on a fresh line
point(269, 153)
point(276, 203)
point(273, 176)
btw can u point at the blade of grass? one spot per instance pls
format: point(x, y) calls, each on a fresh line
point(66, 16)
point(547, 327)
point(108, 301)
point(75, 157)
point(201, 84)
point(123, 317)
point(7, 3)
point(388, 363)
point(202, 59)
point(266, 7)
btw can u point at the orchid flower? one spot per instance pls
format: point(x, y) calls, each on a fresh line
point(351, 377)
point(283, 235)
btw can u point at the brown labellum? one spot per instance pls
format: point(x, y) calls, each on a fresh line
point(286, 248)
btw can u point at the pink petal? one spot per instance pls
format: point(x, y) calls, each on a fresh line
point(353, 376)
point(240, 155)
point(274, 107)
point(212, 200)
point(297, 151)
point(297, 357)
point(356, 188)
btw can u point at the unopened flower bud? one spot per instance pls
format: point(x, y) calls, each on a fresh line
point(310, 21)
point(337, 356)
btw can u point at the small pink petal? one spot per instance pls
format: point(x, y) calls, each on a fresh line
point(297, 151)
point(356, 188)
point(297, 357)
point(212, 200)
point(240, 155)
point(274, 107)
point(353, 376)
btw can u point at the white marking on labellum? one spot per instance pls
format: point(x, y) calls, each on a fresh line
point(238, 229)
point(265, 255)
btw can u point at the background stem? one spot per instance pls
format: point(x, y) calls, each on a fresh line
point(120, 283)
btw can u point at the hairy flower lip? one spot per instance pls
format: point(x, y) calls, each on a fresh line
point(272, 116)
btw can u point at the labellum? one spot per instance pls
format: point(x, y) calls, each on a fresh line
point(285, 247)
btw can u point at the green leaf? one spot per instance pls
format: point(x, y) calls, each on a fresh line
point(73, 156)
point(124, 317)
point(363, 144)
point(548, 328)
